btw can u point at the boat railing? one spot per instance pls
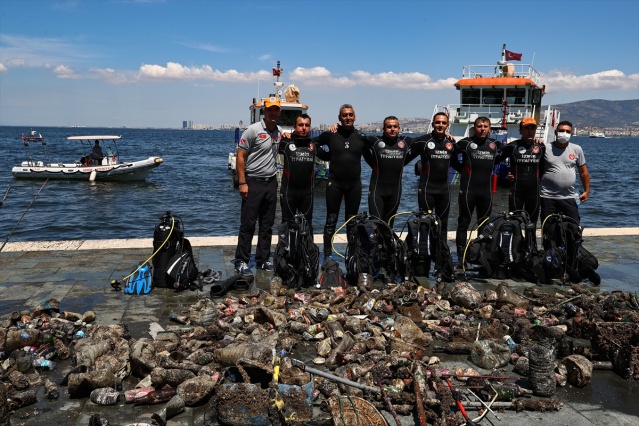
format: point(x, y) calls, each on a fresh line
point(468, 113)
point(508, 70)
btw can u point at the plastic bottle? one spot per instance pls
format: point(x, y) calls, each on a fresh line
point(577, 200)
point(44, 364)
point(510, 342)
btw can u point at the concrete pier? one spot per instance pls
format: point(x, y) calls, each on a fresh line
point(78, 273)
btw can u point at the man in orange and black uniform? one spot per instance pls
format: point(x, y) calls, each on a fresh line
point(525, 158)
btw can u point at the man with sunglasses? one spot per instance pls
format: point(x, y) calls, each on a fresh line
point(256, 170)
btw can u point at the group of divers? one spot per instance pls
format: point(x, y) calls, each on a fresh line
point(540, 175)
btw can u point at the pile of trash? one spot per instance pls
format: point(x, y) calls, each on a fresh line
point(337, 356)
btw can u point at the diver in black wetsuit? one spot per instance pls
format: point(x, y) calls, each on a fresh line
point(298, 177)
point(386, 156)
point(344, 151)
point(525, 158)
point(436, 151)
point(478, 159)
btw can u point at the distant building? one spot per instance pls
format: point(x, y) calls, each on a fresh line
point(185, 124)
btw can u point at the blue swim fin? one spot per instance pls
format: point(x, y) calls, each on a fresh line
point(139, 282)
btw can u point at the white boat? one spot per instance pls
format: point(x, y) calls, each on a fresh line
point(109, 168)
point(596, 135)
point(506, 93)
point(291, 108)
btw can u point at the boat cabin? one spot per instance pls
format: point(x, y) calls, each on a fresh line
point(506, 93)
point(290, 106)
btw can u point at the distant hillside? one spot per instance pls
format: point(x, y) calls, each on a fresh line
point(601, 113)
point(594, 114)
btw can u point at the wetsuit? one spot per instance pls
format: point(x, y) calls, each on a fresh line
point(386, 157)
point(344, 151)
point(298, 178)
point(434, 182)
point(478, 160)
point(525, 159)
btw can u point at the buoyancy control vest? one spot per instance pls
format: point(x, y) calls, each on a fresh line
point(296, 255)
point(425, 246)
point(564, 255)
point(505, 247)
point(373, 246)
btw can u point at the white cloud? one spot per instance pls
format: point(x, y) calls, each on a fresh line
point(3, 69)
point(393, 80)
point(36, 51)
point(605, 80)
point(559, 81)
point(319, 76)
point(64, 71)
point(15, 63)
point(204, 46)
point(111, 76)
point(175, 71)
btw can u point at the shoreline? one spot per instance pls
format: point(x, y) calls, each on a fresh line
point(224, 241)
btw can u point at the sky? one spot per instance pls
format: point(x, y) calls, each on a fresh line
point(156, 63)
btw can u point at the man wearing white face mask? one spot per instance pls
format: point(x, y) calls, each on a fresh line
point(560, 163)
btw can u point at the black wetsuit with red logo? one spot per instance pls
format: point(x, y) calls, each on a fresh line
point(434, 181)
point(344, 151)
point(298, 177)
point(475, 187)
point(525, 159)
point(386, 156)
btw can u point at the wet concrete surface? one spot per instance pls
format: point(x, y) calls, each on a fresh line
point(80, 279)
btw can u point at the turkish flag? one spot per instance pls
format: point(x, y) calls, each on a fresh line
point(276, 72)
point(512, 56)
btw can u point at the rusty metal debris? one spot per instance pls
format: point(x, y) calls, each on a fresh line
point(356, 352)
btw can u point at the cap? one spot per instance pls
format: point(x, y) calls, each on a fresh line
point(272, 101)
point(528, 121)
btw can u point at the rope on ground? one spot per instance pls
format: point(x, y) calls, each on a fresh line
point(6, 194)
point(23, 213)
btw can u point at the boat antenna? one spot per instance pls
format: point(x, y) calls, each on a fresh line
point(277, 72)
point(533, 59)
point(503, 53)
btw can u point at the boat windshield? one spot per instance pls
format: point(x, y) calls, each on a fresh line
point(288, 117)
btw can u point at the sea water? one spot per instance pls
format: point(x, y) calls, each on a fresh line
point(195, 183)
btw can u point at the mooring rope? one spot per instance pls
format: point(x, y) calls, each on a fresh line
point(23, 214)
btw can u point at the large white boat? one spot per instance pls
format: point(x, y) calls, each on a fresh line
point(596, 135)
point(291, 108)
point(506, 93)
point(108, 168)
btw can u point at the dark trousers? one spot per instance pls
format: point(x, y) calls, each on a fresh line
point(296, 201)
point(567, 206)
point(259, 207)
point(351, 193)
point(527, 200)
point(439, 204)
point(468, 202)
